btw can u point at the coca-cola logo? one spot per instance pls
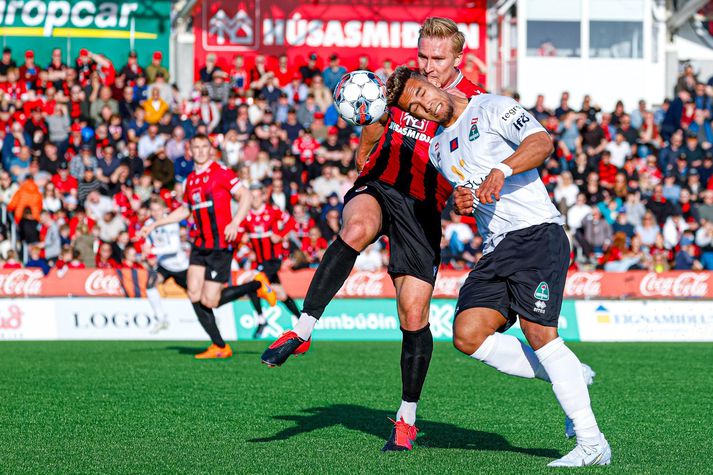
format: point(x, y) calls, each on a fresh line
point(99, 283)
point(21, 282)
point(685, 284)
point(12, 320)
point(363, 284)
point(583, 284)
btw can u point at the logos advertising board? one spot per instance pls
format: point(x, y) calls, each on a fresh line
point(133, 319)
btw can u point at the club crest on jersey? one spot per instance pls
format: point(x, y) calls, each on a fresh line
point(474, 133)
point(543, 291)
point(205, 179)
point(454, 144)
point(414, 123)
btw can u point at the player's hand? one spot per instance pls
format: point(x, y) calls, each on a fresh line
point(146, 230)
point(491, 187)
point(231, 231)
point(463, 201)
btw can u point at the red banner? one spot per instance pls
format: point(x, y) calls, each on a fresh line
point(73, 283)
point(350, 29)
point(580, 285)
point(632, 284)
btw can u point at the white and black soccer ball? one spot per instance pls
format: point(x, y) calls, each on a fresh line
point(360, 97)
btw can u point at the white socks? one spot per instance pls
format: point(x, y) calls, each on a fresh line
point(155, 300)
point(304, 326)
point(408, 412)
point(568, 384)
point(510, 356)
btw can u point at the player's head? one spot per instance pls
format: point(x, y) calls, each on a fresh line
point(201, 149)
point(440, 50)
point(411, 92)
point(157, 208)
point(257, 193)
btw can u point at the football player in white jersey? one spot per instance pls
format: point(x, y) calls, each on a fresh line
point(165, 243)
point(491, 147)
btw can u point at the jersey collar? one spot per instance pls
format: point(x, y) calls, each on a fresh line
point(456, 81)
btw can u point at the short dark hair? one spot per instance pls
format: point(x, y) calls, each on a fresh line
point(397, 82)
point(201, 137)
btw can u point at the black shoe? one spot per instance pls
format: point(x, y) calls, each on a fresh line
point(259, 330)
point(288, 344)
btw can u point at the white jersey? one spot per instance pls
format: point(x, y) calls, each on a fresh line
point(488, 131)
point(166, 245)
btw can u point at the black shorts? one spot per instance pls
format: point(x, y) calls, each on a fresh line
point(524, 275)
point(181, 278)
point(216, 263)
point(271, 268)
point(413, 229)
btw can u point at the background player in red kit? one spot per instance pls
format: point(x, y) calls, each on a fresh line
point(265, 227)
point(209, 190)
point(399, 194)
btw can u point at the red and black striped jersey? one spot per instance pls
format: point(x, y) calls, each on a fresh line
point(400, 159)
point(260, 226)
point(208, 195)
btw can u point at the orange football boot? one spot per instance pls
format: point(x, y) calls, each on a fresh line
point(266, 292)
point(214, 351)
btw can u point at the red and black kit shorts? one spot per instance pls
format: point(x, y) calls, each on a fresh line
point(413, 229)
point(216, 263)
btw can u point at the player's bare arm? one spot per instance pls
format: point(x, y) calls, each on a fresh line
point(370, 136)
point(532, 152)
point(176, 216)
point(242, 196)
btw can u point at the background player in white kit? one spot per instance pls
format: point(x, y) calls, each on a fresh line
point(492, 147)
point(165, 243)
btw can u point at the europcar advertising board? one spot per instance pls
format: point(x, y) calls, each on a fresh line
point(108, 27)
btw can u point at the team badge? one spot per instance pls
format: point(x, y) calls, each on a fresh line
point(542, 292)
point(454, 144)
point(474, 133)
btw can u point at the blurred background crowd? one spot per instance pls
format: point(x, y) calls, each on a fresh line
point(86, 145)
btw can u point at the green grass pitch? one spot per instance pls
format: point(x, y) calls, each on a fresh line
point(149, 407)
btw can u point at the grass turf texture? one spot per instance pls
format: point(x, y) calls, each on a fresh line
point(149, 407)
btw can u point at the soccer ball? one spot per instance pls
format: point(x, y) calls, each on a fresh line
point(360, 97)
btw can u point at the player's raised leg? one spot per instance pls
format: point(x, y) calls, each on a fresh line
point(362, 223)
point(413, 301)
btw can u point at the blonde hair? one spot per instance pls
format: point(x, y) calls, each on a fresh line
point(438, 27)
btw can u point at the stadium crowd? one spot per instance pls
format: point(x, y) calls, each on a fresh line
point(85, 146)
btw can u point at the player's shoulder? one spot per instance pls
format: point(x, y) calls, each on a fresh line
point(496, 106)
point(468, 87)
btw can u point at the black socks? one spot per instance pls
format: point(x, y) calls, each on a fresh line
point(416, 351)
point(331, 274)
point(206, 317)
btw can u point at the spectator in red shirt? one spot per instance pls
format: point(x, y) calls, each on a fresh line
point(29, 71)
point(103, 259)
point(129, 259)
point(314, 245)
point(305, 147)
point(11, 262)
point(607, 171)
point(284, 73)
